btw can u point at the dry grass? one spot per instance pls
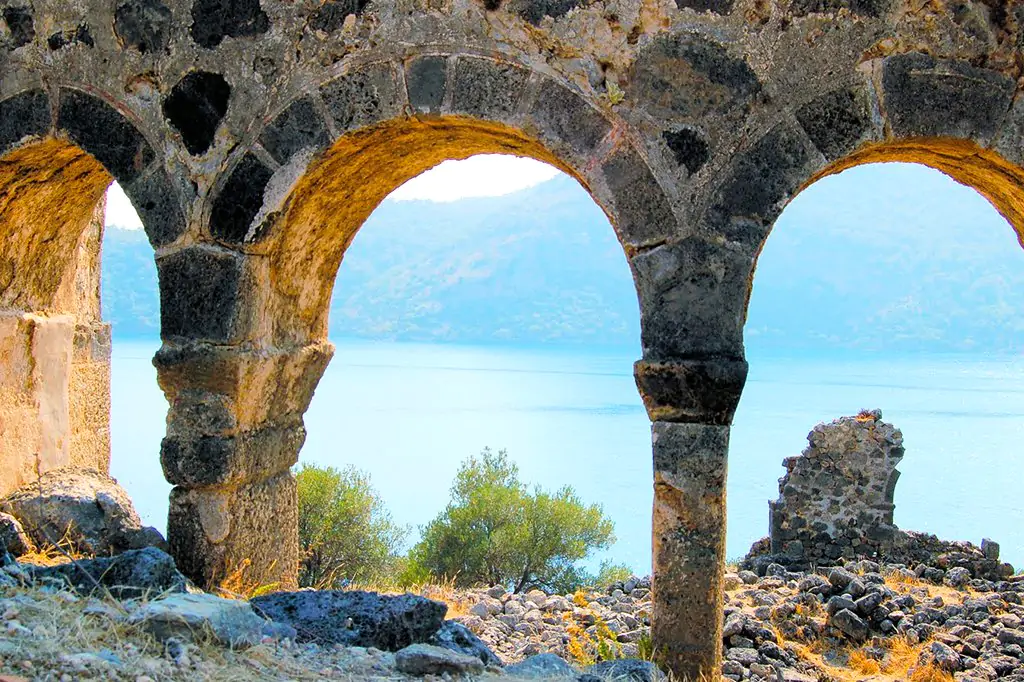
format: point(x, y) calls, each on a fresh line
point(237, 585)
point(862, 663)
point(901, 655)
point(930, 673)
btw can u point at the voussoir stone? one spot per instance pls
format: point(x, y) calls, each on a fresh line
point(83, 506)
point(355, 618)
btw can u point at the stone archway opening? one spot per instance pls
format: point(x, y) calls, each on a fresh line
point(55, 388)
point(57, 341)
point(504, 322)
point(893, 286)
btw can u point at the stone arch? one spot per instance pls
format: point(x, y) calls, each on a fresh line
point(59, 151)
point(245, 312)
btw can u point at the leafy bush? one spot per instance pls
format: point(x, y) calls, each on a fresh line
point(497, 531)
point(345, 532)
point(608, 574)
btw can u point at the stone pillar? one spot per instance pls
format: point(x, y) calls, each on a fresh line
point(234, 430)
point(691, 403)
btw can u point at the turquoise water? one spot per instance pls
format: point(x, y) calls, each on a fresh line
point(409, 414)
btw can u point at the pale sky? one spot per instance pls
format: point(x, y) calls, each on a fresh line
point(485, 175)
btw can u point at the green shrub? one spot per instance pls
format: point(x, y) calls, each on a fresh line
point(609, 573)
point(496, 531)
point(345, 532)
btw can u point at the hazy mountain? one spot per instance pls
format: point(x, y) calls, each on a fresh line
point(883, 258)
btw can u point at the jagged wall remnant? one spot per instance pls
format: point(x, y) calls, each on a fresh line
point(254, 137)
point(836, 499)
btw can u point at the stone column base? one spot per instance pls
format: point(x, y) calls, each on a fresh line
point(215, 532)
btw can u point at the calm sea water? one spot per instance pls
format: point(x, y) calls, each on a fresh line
point(409, 414)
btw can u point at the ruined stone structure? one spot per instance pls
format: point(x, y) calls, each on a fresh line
point(836, 499)
point(255, 136)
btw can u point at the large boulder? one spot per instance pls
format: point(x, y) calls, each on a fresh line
point(133, 574)
point(196, 616)
point(84, 507)
point(12, 536)
point(457, 637)
point(355, 618)
point(425, 659)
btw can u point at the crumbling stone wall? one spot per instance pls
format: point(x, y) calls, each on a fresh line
point(255, 136)
point(836, 499)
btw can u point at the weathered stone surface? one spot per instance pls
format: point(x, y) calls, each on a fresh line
point(13, 538)
point(143, 24)
point(100, 130)
point(692, 294)
point(199, 293)
point(644, 215)
point(688, 147)
point(698, 391)
point(871, 8)
point(356, 618)
point(215, 20)
point(460, 639)
point(79, 35)
point(927, 97)
point(627, 670)
point(564, 117)
point(298, 127)
point(717, 6)
point(330, 16)
point(424, 659)
point(240, 201)
point(850, 624)
point(195, 107)
point(134, 574)
point(762, 179)
point(23, 115)
point(426, 81)
point(363, 97)
point(85, 507)
point(836, 499)
point(211, 531)
point(155, 200)
point(486, 88)
point(191, 617)
point(20, 24)
point(689, 540)
point(534, 11)
point(837, 122)
point(203, 460)
point(543, 666)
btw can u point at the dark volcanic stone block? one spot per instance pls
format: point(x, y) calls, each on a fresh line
point(330, 16)
point(688, 147)
point(926, 97)
point(215, 20)
point(717, 6)
point(355, 618)
point(870, 8)
point(762, 180)
point(363, 97)
point(156, 200)
point(642, 214)
point(195, 107)
point(534, 11)
point(426, 78)
point(239, 200)
point(563, 113)
point(27, 113)
point(199, 293)
point(223, 460)
point(20, 24)
point(143, 24)
point(80, 34)
point(692, 299)
point(300, 126)
point(836, 122)
point(99, 129)
point(130, 575)
point(486, 88)
point(698, 391)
